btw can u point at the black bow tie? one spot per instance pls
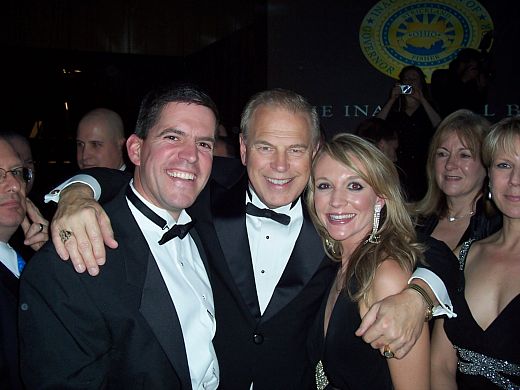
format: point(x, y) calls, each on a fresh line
point(251, 209)
point(175, 231)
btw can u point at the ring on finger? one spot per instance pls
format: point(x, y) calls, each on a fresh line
point(387, 353)
point(65, 235)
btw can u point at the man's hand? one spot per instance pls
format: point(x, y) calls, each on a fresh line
point(396, 322)
point(81, 215)
point(35, 227)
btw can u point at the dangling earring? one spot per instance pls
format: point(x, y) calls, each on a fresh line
point(330, 246)
point(374, 238)
point(489, 195)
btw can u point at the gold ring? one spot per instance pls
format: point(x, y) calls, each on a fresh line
point(387, 353)
point(41, 228)
point(65, 235)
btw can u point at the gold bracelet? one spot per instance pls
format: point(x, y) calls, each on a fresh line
point(429, 303)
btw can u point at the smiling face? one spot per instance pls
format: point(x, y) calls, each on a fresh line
point(278, 154)
point(12, 193)
point(173, 162)
point(344, 202)
point(504, 176)
point(458, 172)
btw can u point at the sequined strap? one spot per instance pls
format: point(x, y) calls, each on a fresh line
point(321, 378)
point(474, 363)
point(464, 252)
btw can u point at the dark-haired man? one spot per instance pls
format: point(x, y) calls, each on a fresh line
point(148, 320)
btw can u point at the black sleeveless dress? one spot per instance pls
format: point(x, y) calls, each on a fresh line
point(348, 362)
point(490, 358)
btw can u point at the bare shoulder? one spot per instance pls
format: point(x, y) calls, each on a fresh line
point(389, 279)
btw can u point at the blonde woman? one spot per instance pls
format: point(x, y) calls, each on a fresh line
point(480, 348)
point(357, 207)
point(455, 207)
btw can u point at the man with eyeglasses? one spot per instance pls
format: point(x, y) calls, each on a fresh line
point(13, 181)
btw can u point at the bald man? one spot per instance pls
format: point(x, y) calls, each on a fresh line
point(100, 139)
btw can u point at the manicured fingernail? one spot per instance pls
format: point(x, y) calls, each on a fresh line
point(80, 268)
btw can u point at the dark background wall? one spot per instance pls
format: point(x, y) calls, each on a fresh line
point(62, 58)
point(314, 48)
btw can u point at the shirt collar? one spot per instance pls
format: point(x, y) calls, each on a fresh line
point(8, 258)
point(293, 209)
point(183, 217)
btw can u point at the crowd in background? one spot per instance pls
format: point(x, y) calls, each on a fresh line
point(427, 169)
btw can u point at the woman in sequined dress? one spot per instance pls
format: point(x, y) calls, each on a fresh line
point(360, 215)
point(480, 348)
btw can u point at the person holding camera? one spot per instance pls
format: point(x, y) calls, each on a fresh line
point(410, 112)
point(464, 84)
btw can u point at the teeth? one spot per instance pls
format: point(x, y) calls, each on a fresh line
point(278, 181)
point(339, 217)
point(182, 175)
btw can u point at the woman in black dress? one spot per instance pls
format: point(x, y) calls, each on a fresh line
point(480, 348)
point(455, 207)
point(357, 207)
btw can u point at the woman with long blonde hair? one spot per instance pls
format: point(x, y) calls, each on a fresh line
point(356, 205)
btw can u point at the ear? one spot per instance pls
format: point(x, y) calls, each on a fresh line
point(133, 147)
point(243, 149)
point(381, 202)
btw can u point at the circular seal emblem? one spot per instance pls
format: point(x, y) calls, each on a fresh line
point(397, 33)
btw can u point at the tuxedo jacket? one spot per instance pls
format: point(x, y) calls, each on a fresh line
point(267, 349)
point(9, 372)
point(119, 329)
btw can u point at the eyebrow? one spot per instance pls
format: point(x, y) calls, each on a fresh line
point(257, 142)
point(181, 132)
point(354, 177)
point(459, 149)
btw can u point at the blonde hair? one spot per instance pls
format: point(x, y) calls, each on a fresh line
point(501, 138)
point(396, 231)
point(471, 129)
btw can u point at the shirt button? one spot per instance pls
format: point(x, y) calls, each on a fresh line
point(258, 338)
point(262, 271)
point(267, 237)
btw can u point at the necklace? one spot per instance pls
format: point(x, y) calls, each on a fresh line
point(455, 219)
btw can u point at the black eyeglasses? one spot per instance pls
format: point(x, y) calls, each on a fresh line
point(21, 174)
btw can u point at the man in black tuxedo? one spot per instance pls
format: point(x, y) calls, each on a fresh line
point(12, 213)
point(148, 320)
point(269, 271)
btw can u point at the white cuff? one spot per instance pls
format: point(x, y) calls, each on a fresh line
point(438, 288)
point(88, 180)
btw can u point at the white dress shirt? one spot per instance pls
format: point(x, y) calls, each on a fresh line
point(188, 284)
point(9, 259)
point(271, 244)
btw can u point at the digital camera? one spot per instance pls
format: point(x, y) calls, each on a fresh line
point(406, 89)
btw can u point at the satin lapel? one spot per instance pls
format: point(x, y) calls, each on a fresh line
point(142, 271)
point(305, 260)
point(159, 311)
point(232, 235)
